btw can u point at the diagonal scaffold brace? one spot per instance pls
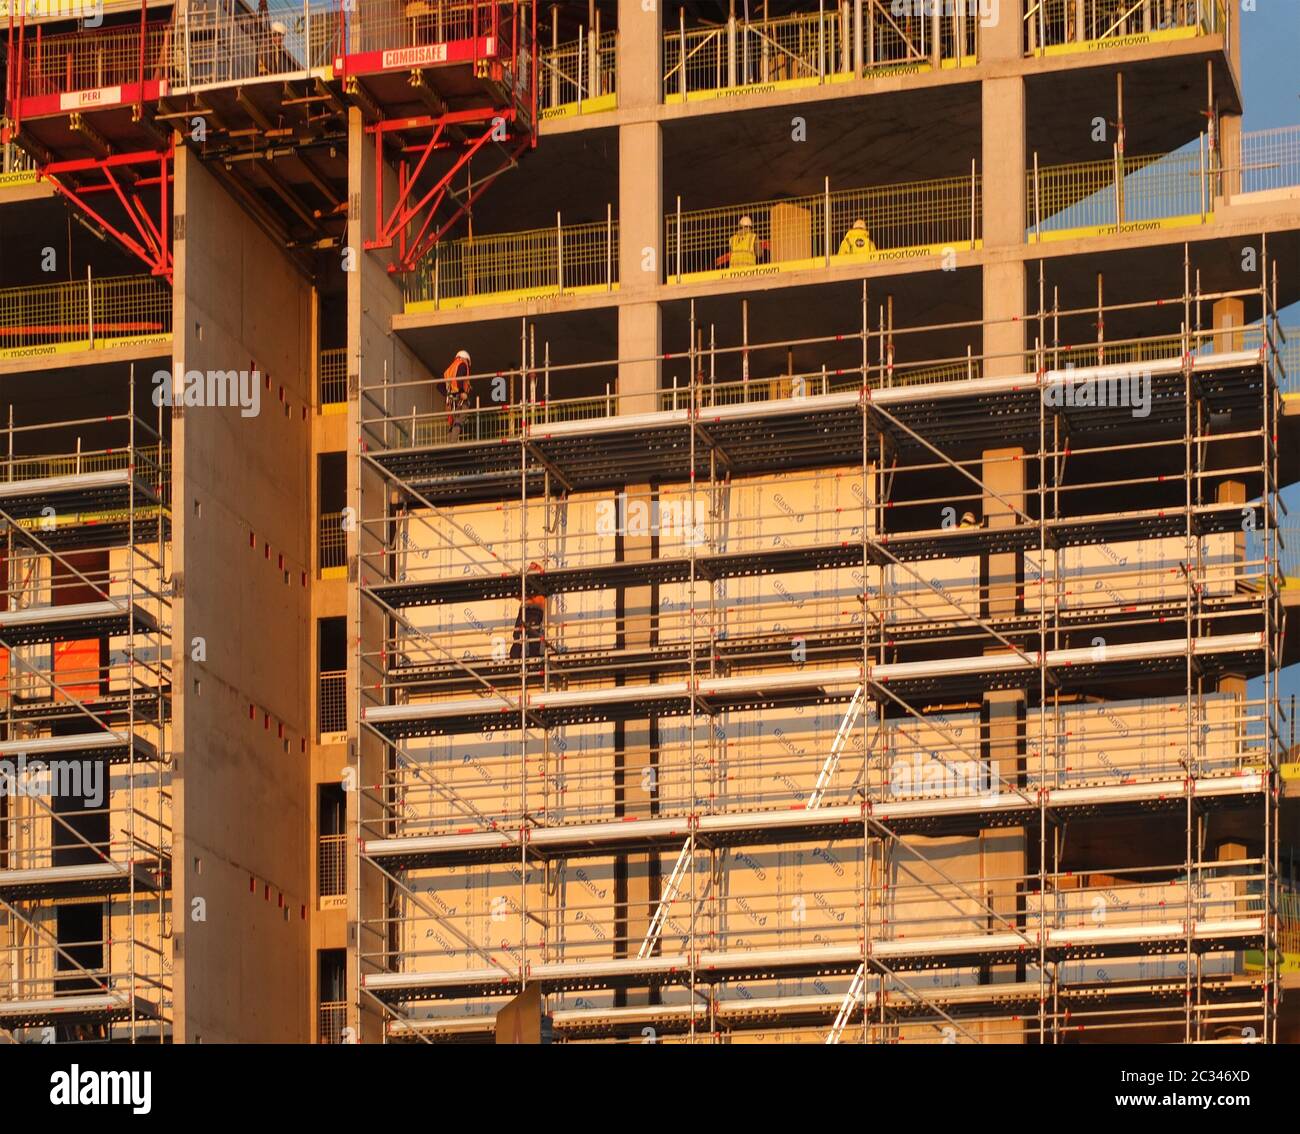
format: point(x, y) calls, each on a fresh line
point(417, 220)
point(144, 233)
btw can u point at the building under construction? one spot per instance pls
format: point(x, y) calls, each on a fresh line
point(841, 599)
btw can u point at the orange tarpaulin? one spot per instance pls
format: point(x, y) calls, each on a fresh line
point(76, 669)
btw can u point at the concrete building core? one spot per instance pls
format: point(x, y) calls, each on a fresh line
point(607, 522)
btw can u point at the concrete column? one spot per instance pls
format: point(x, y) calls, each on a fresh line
point(1002, 161)
point(1003, 172)
point(641, 262)
point(1003, 473)
point(641, 267)
point(639, 54)
point(636, 786)
point(1001, 36)
point(1004, 319)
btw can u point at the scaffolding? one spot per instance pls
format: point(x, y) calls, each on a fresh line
point(805, 767)
point(85, 821)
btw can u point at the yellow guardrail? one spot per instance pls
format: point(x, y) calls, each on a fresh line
point(914, 218)
point(45, 318)
point(149, 458)
point(332, 851)
point(507, 266)
point(332, 376)
point(16, 166)
point(578, 77)
point(747, 56)
point(332, 707)
point(1121, 194)
point(332, 541)
point(1059, 27)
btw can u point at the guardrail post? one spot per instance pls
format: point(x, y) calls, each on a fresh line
point(437, 262)
point(681, 52)
point(1038, 204)
point(580, 41)
point(731, 47)
point(1119, 196)
point(90, 308)
point(555, 56)
point(857, 38)
point(846, 38)
point(821, 41)
point(188, 74)
point(746, 75)
point(559, 254)
point(973, 192)
point(609, 246)
point(679, 239)
point(826, 220)
point(1201, 179)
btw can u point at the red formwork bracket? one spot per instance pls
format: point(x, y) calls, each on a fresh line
point(413, 224)
point(146, 234)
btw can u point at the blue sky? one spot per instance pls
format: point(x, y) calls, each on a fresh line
point(1270, 44)
point(1270, 78)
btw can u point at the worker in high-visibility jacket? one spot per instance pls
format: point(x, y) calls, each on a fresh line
point(744, 248)
point(529, 635)
point(857, 239)
point(456, 389)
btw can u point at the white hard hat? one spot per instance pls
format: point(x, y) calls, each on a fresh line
point(278, 28)
point(463, 354)
point(968, 517)
point(860, 223)
point(745, 222)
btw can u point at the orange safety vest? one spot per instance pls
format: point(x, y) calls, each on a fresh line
point(455, 376)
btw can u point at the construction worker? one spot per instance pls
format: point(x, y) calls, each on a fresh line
point(456, 390)
point(968, 520)
point(857, 239)
point(745, 247)
point(529, 635)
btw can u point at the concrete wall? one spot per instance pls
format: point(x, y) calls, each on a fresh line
point(242, 542)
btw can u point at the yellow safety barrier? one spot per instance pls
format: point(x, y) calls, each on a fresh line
point(332, 377)
point(512, 266)
point(568, 83)
point(50, 319)
point(17, 168)
point(1066, 27)
point(911, 221)
point(332, 542)
point(1140, 193)
point(808, 48)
